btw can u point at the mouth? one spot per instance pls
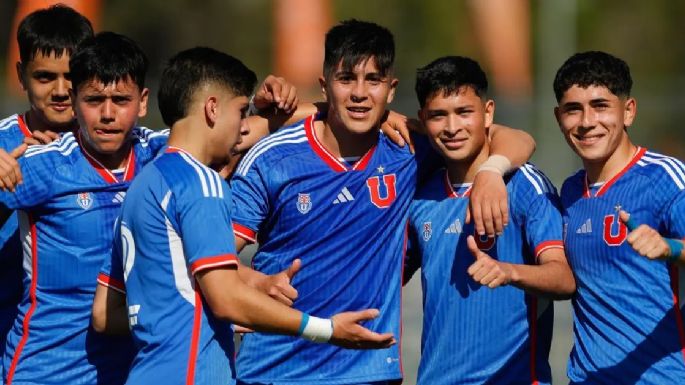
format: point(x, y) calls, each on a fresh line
point(588, 139)
point(453, 143)
point(358, 112)
point(108, 132)
point(60, 107)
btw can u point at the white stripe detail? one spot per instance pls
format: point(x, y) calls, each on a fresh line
point(347, 194)
point(9, 122)
point(182, 277)
point(284, 134)
point(532, 180)
point(25, 237)
point(543, 177)
point(200, 174)
point(673, 162)
point(667, 167)
point(64, 146)
point(270, 142)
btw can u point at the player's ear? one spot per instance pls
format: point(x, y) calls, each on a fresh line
point(629, 111)
point(489, 112)
point(393, 86)
point(322, 83)
point(211, 110)
point(142, 111)
point(20, 75)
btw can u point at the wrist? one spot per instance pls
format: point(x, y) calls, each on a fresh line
point(496, 163)
point(319, 330)
point(676, 248)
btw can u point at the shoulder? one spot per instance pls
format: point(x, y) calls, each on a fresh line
point(662, 170)
point(284, 142)
point(186, 175)
point(60, 150)
point(144, 136)
point(9, 123)
point(574, 183)
point(11, 132)
point(531, 178)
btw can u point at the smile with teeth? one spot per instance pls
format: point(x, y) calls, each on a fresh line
point(358, 111)
point(588, 139)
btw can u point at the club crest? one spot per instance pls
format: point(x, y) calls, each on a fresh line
point(427, 231)
point(84, 200)
point(304, 203)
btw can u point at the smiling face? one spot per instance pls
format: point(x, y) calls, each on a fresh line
point(47, 83)
point(357, 98)
point(594, 120)
point(106, 114)
point(457, 123)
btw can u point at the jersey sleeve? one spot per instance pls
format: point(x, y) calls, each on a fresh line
point(250, 201)
point(112, 270)
point(675, 217)
point(538, 207)
point(200, 214)
point(36, 187)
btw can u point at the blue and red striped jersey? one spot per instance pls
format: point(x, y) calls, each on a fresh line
point(347, 222)
point(67, 207)
point(473, 334)
point(168, 233)
point(628, 310)
point(13, 130)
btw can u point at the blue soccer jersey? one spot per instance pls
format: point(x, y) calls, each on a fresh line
point(348, 225)
point(628, 310)
point(473, 334)
point(67, 206)
point(13, 130)
point(170, 229)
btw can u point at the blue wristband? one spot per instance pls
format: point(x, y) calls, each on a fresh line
point(303, 323)
point(630, 224)
point(676, 248)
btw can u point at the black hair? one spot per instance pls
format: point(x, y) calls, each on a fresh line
point(108, 57)
point(53, 30)
point(449, 74)
point(593, 68)
point(352, 42)
point(190, 69)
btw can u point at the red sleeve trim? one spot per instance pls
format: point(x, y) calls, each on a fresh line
point(106, 280)
point(548, 245)
point(212, 262)
point(245, 233)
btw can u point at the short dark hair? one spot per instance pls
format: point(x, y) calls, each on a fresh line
point(593, 68)
point(449, 74)
point(353, 41)
point(108, 57)
point(190, 69)
point(53, 30)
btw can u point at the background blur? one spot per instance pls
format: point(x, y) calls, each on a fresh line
point(519, 43)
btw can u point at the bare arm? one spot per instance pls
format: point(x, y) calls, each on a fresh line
point(232, 300)
point(551, 277)
point(516, 145)
point(109, 311)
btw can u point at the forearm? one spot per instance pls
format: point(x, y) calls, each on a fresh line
point(516, 145)
point(551, 279)
point(109, 312)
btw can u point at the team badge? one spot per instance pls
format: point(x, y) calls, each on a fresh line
point(427, 231)
point(85, 200)
point(304, 203)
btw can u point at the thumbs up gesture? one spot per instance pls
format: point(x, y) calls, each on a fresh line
point(279, 287)
point(10, 172)
point(485, 270)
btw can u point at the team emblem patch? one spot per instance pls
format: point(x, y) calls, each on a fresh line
point(427, 231)
point(85, 200)
point(304, 203)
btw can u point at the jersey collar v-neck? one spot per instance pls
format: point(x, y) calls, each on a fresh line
point(333, 162)
point(603, 189)
point(107, 175)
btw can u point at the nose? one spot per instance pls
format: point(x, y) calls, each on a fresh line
point(107, 111)
point(452, 124)
point(61, 90)
point(589, 118)
point(359, 91)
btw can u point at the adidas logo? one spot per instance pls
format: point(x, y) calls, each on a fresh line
point(586, 228)
point(454, 228)
point(343, 196)
point(119, 197)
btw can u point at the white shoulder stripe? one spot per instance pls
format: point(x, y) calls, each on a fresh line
point(64, 146)
point(534, 179)
point(284, 134)
point(9, 122)
point(676, 175)
point(676, 163)
point(209, 179)
point(255, 152)
point(543, 177)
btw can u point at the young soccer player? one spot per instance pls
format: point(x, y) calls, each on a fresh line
point(334, 192)
point(471, 334)
point(46, 38)
point(180, 277)
point(628, 310)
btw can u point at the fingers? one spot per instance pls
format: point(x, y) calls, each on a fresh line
point(347, 331)
point(19, 151)
point(625, 218)
point(294, 268)
point(476, 212)
point(392, 134)
point(278, 92)
point(45, 137)
point(364, 315)
point(647, 242)
point(487, 218)
point(10, 173)
point(241, 329)
point(473, 247)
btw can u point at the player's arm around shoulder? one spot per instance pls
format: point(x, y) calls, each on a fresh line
point(109, 311)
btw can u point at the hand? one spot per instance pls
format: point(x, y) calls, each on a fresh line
point(278, 286)
point(487, 271)
point(645, 240)
point(398, 127)
point(276, 92)
point(10, 173)
point(488, 204)
point(41, 137)
point(348, 333)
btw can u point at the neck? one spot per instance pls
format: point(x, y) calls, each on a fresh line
point(111, 161)
point(342, 142)
point(464, 171)
point(34, 123)
point(194, 143)
point(603, 170)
